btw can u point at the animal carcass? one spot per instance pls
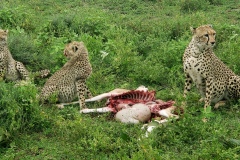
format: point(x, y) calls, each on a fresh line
point(134, 106)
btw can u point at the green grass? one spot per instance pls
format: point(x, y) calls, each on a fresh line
point(144, 41)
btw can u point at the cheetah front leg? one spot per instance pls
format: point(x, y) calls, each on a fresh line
point(188, 84)
point(209, 92)
point(2, 74)
point(81, 90)
point(202, 89)
point(187, 87)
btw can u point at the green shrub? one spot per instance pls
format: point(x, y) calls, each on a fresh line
point(194, 5)
point(59, 25)
point(226, 32)
point(23, 49)
point(19, 111)
point(94, 26)
point(217, 2)
point(16, 17)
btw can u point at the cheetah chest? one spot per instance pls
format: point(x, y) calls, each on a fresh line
point(11, 74)
point(192, 66)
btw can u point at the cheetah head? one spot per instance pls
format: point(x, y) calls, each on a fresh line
point(204, 36)
point(74, 48)
point(3, 35)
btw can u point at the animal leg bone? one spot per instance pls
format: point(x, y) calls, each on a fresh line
point(114, 92)
point(97, 110)
point(168, 112)
point(61, 105)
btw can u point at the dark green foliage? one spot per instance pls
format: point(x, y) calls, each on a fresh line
point(23, 49)
point(229, 38)
point(217, 2)
point(227, 32)
point(19, 112)
point(194, 5)
point(16, 17)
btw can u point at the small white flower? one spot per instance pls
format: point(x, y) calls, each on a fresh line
point(104, 54)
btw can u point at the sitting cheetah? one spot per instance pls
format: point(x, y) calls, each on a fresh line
point(70, 81)
point(11, 70)
point(214, 80)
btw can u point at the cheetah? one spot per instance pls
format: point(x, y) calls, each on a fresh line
point(11, 70)
point(213, 79)
point(70, 81)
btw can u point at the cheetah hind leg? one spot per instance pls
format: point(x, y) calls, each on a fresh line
point(22, 70)
point(89, 94)
point(87, 91)
point(220, 103)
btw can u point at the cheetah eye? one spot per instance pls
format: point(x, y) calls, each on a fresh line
point(206, 35)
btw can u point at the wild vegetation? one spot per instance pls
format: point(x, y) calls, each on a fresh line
point(130, 43)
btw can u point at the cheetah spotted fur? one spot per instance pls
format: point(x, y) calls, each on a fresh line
point(70, 81)
point(11, 70)
point(214, 80)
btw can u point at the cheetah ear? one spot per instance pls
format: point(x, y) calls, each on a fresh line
point(6, 31)
point(210, 25)
point(193, 30)
point(74, 48)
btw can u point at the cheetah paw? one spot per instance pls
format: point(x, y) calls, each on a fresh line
point(220, 103)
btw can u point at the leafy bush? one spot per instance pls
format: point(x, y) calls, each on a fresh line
point(23, 49)
point(19, 111)
point(16, 17)
point(194, 5)
point(217, 2)
point(227, 40)
point(226, 32)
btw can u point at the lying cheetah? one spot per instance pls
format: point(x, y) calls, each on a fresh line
point(214, 80)
point(11, 70)
point(70, 81)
